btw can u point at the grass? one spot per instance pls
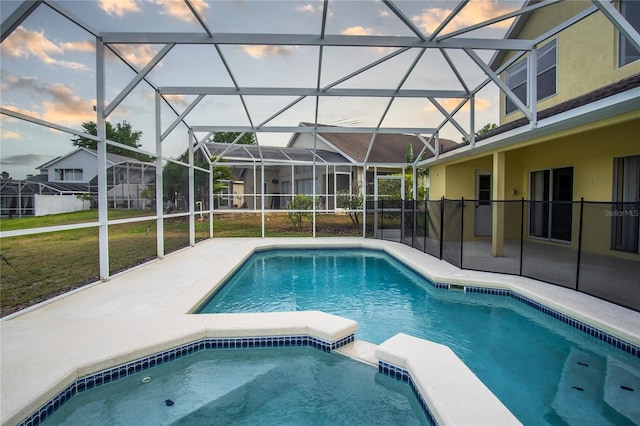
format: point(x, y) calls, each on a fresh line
point(39, 267)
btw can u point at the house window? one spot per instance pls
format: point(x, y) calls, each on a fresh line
point(304, 186)
point(626, 207)
point(631, 12)
point(68, 174)
point(516, 77)
point(550, 211)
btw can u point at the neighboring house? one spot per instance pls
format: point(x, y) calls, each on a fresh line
point(583, 142)
point(75, 174)
point(340, 159)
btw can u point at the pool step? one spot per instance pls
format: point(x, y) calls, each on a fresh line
point(589, 382)
point(622, 389)
point(360, 350)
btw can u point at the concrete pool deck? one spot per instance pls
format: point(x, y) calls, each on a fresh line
point(146, 309)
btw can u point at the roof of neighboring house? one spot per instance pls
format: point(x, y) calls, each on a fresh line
point(241, 152)
point(30, 187)
point(387, 148)
point(112, 159)
point(593, 96)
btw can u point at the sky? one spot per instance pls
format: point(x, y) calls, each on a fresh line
point(48, 69)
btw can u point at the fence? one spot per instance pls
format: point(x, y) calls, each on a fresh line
point(591, 247)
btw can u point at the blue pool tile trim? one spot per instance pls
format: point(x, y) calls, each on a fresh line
point(575, 323)
point(102, 377)
point(403, 375)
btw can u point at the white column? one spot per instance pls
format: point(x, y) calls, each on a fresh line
point(192, 194)
point(103, 232)
point(159, 182)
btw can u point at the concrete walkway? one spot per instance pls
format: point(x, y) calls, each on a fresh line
point(145, 310)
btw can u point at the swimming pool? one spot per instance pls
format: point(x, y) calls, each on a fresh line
point(544, 371)
point(294, 385)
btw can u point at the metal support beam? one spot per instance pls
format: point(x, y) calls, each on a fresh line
point(198, 17)
point(181, 117)
point(101, 147)
point(616, 18)
point(311, 129)
point(44, 123)
point(73, 18)
point(499, 19)
point(307, 91)
point(501, 84)
point(448, 19)
point(405, 20)
point(427, 144)
point(532, 77)
point(18, 16)
point(159, 180)
point(337, 40)
point(192, 193)
point(449, 117)
point(137, 79)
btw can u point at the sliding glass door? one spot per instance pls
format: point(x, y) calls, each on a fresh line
point(550, 212)
point(626, 211)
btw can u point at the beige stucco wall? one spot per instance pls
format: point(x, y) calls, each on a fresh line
point(590, 152)
point(587, 53)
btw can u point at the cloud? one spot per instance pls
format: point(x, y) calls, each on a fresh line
point(180, 100)
point(8, 134)
point(25, 43)
point(66, 106)
point(258, 51)
point(80, 46)
point(307, 8)
point(10, 82)
point(138, 54)
point(384, 13)
point(179, 10)
point(23, 160)
point(63, 106)
point(118, 7)
point(451, 103)
point(473, 13)
point(358, 30)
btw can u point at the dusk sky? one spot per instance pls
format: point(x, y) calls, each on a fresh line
point(47, 69)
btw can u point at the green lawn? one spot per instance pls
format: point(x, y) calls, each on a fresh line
point(38, 267)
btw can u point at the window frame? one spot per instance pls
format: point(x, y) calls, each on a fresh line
point(623, 43)
point(62, 173)
point(509, 107)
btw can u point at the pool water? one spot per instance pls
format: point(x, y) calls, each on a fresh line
point(275, 386)
point(543, 370)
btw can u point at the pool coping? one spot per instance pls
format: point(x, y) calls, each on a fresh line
point(145, 308)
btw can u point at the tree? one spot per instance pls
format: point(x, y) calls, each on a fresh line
point(229, 137)
point(122, 133)
point(352, 201)
point(486, 129)
point(5, 176)
point(301, 207)
point(175, 177)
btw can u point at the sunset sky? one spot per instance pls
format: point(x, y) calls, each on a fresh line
point(47, 69)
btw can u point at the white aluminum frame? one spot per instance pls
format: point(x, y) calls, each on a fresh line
point(418, 42)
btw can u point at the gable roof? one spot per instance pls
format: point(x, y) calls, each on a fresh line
point(388, 148)
point(112, 159)
point(242, 152)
